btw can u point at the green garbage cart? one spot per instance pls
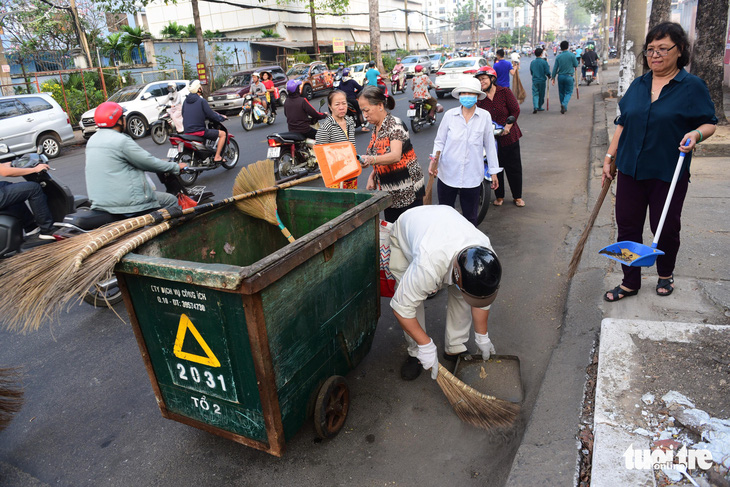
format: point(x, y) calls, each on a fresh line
point(245, 335)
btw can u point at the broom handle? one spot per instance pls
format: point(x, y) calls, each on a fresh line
point(578, 252)
point(466, 388)
point(138, 222)
point(668, 201)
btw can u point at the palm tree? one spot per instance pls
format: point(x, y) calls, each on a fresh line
point(114, 47)
point(134, 37)
point(173, 29)
point(189, 31)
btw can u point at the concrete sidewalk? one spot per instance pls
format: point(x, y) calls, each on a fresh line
point(550, 451)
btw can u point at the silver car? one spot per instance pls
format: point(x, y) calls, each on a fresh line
point(31, 121)
point(410, 62)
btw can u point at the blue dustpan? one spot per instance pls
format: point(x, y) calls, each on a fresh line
point(634, 254)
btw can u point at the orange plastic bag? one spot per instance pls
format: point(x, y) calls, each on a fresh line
point(185, 201)
point(338, 162)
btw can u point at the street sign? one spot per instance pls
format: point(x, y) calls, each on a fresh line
point(202, 76)
point(338, 45)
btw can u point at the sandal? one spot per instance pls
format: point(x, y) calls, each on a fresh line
point(519, 202)
point(498, 202)
point(665, 284)
point(618, 293)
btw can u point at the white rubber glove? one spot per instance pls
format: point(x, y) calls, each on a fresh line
point(485, 345)
point(428, 356)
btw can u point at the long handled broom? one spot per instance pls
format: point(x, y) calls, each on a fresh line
point(249, 179)
point(578, 252)
point(472, 406)
point(11, 395)
point(37, 284)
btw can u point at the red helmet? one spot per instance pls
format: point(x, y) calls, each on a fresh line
point(418, 68)
point(488, 70)
point(108, 114)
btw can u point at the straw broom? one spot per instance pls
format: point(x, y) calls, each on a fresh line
point(472, 406)
point(37, 284)
point(11, 395)
point(578, 252)
point(255, 176)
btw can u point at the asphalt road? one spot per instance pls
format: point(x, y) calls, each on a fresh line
point(90, 416)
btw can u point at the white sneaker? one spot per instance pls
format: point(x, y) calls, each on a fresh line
point(32, 232)
point(46, 235)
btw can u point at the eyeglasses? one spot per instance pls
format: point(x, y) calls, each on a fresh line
point(662, 52)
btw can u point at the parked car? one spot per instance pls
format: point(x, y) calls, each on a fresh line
point(315, 77)
point(410, 63)
point(357, 72)
point(31, 121)
point(435, 61)
point(230, 96)
point(454, 71)
point(141, 102)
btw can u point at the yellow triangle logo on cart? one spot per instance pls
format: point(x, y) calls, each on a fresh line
point(182, 329)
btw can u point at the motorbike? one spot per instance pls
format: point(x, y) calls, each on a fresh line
point(292, 153)
point(485, 191)
point(418, 113)
point(199, 153)
point(589, 76)
point(337, 80)
point(612, 53)
point(382, 85)
point(398, 81)
point(354, 111)
point(163, 126)
point(253, 112)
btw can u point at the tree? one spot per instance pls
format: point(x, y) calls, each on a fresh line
point(576, 15)
point(463, 17)
point(660, 12)
point(173, 30)
point(133, 38)
point(374, 22)
point(707, 55)
point(114, 47)
point(594, 7)
point(549, 36)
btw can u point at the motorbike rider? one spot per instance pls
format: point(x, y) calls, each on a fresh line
point(14, 195)
point(115, 167)
point(340, 70)
point(271, 92)
point(195, 112)
point(421, 86)
point(174, 100)
point(371, 75)
point(590, 61)
point(352, 88)
point(300, 114)
point(399, 70)
point(258, 90)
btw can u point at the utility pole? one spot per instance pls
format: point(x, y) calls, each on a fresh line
point(408, 42)
point(631, 60)
point(80, 33)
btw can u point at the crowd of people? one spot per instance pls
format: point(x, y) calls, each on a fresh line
point(655, 122)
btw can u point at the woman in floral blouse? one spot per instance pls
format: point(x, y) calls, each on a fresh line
point(390, 153)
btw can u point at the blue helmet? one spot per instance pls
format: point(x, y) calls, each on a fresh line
point(293, 85)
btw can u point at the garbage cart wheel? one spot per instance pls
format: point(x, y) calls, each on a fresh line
point(331, 407)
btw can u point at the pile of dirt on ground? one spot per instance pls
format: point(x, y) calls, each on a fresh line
point(700, 370)
point(585, 435)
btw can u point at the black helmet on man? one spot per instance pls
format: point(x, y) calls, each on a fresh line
point(371, 64)
point(477, 273)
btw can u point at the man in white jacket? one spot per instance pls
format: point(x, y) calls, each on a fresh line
point(434, 247)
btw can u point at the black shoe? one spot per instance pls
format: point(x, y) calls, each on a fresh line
point(534, 111)
point(411, 369)
point(563, 109)
point(455, 356)
point(32, 232)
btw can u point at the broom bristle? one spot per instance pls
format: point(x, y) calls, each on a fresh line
point(11, 395)
point(472, 406)
point(253, 177)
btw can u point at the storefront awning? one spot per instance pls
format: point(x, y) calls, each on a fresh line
point(283, 44)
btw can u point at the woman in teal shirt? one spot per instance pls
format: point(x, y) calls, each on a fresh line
point(660, 112)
